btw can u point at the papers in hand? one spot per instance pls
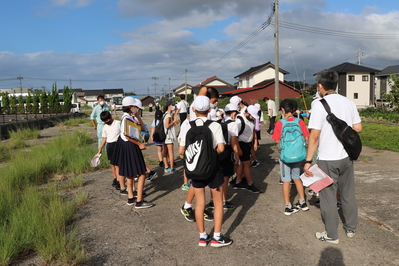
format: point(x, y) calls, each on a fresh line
point(133, 130)
point(318, 181)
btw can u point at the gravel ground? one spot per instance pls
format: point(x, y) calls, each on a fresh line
point(116, 234)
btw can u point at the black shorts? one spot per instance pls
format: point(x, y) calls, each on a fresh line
point(227, 167)
point(213, 182)
point(258, 134)
point(110, 148)
point(246, 151)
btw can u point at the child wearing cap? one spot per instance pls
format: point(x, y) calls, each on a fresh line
point(291, 171)
point(246, 139)
point(201, 108)
point(169, 122)
point(130, 158)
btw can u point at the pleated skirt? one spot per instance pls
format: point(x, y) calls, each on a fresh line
point(129, 158)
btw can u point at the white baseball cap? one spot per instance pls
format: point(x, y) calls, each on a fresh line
point(235, 100)
point(128, 101)
point(230, 107)
point(252, 110)
point(139, 104)
point(201, 103)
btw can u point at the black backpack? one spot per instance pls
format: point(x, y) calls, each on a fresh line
point(200, 158)
point(242, 124)
point(227, 148)
point(159, 133)
point(349, 138)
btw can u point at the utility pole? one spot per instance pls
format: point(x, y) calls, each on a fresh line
point(155, 86)
point(70, 84)
point(169, 85)
point(20, 82)
point(359, 55)
point(185, 83)
point(276, 58)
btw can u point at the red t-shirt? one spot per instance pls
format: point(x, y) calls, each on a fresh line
point(279, 126)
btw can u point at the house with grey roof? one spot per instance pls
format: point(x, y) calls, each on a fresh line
point(357, 83)
point(258, 74)
point(382, 80)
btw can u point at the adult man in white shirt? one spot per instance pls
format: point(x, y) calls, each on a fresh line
point(182, 107)
point(332, 157)
point(272, 112)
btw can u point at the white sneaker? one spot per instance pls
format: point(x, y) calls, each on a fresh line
point(323, 237)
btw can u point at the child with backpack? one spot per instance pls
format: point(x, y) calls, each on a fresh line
point(246, 138)
point(291, 134)
point(201, 141)
point(157, 120)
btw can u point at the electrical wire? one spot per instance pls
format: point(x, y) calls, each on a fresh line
point(335, 33)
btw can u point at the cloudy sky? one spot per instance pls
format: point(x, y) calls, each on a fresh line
point(96, 44)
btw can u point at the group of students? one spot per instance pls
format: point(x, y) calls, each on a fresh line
point(235, 138)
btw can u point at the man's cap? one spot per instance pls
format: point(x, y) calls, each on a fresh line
point(170, 102)
point(201, 103)
point(235, 100)
point(230, 108)
point(128, 101)
point(139, 104)
point(252, 110)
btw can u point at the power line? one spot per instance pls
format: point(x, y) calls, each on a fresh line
point(335, 33)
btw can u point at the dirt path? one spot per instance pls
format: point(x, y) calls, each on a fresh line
point(116, 234)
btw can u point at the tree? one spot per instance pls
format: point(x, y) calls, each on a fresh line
point(393, 96)
point(297, 84)
point(43, 102)
point(35, 101)
point(21, 102)
point(53, 99)
point(68, 93)
point(29, 103)
point(13, 104)
point(6, 103)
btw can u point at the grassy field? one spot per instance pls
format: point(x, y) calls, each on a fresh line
point(380, 136)
point(33, 215)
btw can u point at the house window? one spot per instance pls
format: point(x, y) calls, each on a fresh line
point(351, 78)
point(365, 78)
point(247, 79)
point(355, 95)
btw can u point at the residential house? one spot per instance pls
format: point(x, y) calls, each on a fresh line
point(258, 82)
point(357, 83)
point(182, 89)
point(258, 74)
point(215, 82)
point(382, 80)
point(265, 88)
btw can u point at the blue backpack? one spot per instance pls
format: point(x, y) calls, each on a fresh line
point(292, 145)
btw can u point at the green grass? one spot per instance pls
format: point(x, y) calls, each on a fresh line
point(5, 153)
point(36, 217)
point(74, 122)
point(24, 134)
point(380, 136)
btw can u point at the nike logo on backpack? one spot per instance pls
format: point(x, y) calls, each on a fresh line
point(192, 154)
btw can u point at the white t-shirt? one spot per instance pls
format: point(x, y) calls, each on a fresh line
point(271, 105)
point(170, 132)
point(215, 127)
point(248, 134)
point(112, 132)
point(232, 129)
point(330, 148)
point(182, 105)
